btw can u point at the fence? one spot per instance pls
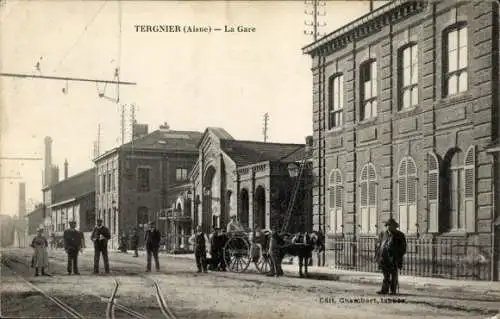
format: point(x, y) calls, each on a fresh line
point(452, 258)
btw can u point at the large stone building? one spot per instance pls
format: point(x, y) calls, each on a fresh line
point(134, 180)
point(405, 109)
point(251, 180)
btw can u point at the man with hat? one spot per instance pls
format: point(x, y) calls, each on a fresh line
point(234, 225)
point(73, 244)
point(152, 238)
point(100, 236)
point(391, 249)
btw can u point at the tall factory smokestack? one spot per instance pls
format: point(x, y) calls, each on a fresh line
point(48, 161)
point(66, 169)
point(22, 200)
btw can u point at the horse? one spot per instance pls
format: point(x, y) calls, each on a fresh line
point(302, 245)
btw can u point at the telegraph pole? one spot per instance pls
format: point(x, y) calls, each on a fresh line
point(265, 129)
point(315, 13)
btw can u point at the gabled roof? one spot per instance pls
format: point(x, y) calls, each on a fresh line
point(219, 132)
point(75, 186)
point(168, 140)
point(250, 152)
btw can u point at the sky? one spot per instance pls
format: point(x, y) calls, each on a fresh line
point(189, 80)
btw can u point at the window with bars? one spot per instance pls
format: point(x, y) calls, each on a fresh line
point(335, 201)
point(142, 216)
point(336, 102)
point(433, 192)
point(143, 179)
point(408, 72)
point(181, 174)
point(368, 199)
point(455, 56)
point(368, 77)
point(407, 195)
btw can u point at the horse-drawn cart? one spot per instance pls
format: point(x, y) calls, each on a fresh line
point(240, 251)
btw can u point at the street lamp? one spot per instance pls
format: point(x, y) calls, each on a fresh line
point(293, 170)
point(207, 191)
point(189, 195)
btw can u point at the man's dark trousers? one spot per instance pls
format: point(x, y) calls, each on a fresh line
point(72, 261)
point(201, 260)
point(153, 253)
point(101, 248)
point(390, 282)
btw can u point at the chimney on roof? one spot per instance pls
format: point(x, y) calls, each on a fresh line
point(371, 5)
point(66, 169)
point(309, 144)
point(165, 126)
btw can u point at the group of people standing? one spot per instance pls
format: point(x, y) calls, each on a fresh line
point(74, 243)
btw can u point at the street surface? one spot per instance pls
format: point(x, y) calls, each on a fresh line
point(213, 295)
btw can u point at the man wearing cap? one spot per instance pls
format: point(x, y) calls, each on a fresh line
point(152, 238)
point(391, 249)
point(73, 244)
point(234, 225)
point(100, 236)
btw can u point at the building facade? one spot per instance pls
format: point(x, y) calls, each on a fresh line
point(249, 179)
point(133, 181)
point(405, 107)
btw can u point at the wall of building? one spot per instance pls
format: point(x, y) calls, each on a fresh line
point(435, 125)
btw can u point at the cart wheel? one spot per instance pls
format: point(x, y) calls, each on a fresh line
point(237, 255)
point(264, 264)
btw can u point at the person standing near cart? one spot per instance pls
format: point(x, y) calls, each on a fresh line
point(100, 236)
point(200, 242)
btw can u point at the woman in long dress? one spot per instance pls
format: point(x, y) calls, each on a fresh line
point(40, 255)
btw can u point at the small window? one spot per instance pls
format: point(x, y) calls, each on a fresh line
point(143, 179)
point(104, 183)
point(368, 90)
point(181, 174)
point(336, 102)
point(455, 60)
point(408, 73)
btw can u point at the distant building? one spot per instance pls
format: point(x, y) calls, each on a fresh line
point(6, 231)
point(73, 199)
point(251, 180)
point(35, 220)
point(134, 180)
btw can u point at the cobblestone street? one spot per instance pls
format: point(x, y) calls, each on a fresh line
point(219, 295)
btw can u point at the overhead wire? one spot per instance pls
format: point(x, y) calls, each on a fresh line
point(81, 35)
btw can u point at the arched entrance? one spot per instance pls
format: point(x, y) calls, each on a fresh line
point(209, 191)
point(245, 205)
point(260, 207)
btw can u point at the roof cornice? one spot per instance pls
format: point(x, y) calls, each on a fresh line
point(365, 25)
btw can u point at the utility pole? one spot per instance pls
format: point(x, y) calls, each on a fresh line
point(123, 124)
point(264, 131)
point(315, 13)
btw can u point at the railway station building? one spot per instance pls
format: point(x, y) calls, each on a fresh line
point(252, 180)
point(406, 125)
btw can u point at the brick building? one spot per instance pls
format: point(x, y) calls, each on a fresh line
point(249, 179)
point(134, 181)
point(405, 108)
point(35, 220)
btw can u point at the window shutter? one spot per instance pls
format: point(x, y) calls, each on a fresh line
point(364, 220)
point(373, 220)
point(403, 218)
point(412, 218)
point(332, 220)
point(331, 192)
point(433, 192)
point(339, 220)
point(470, 190)
point(364, 194)
point(372, 193)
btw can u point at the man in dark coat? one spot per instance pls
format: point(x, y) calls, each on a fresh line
point(391, 249)
point(214, 250)
point(200, 242)
point(222, 240)
point(100, 236)
point(73, 244)
point(275, 252)
point(152, 239)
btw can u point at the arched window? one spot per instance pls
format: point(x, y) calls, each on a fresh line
point(407, 195)
point(433, 192)
point(368, 198)
point(335, 198)
point(470, 189)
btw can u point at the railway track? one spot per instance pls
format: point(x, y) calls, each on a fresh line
point(111, 304)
